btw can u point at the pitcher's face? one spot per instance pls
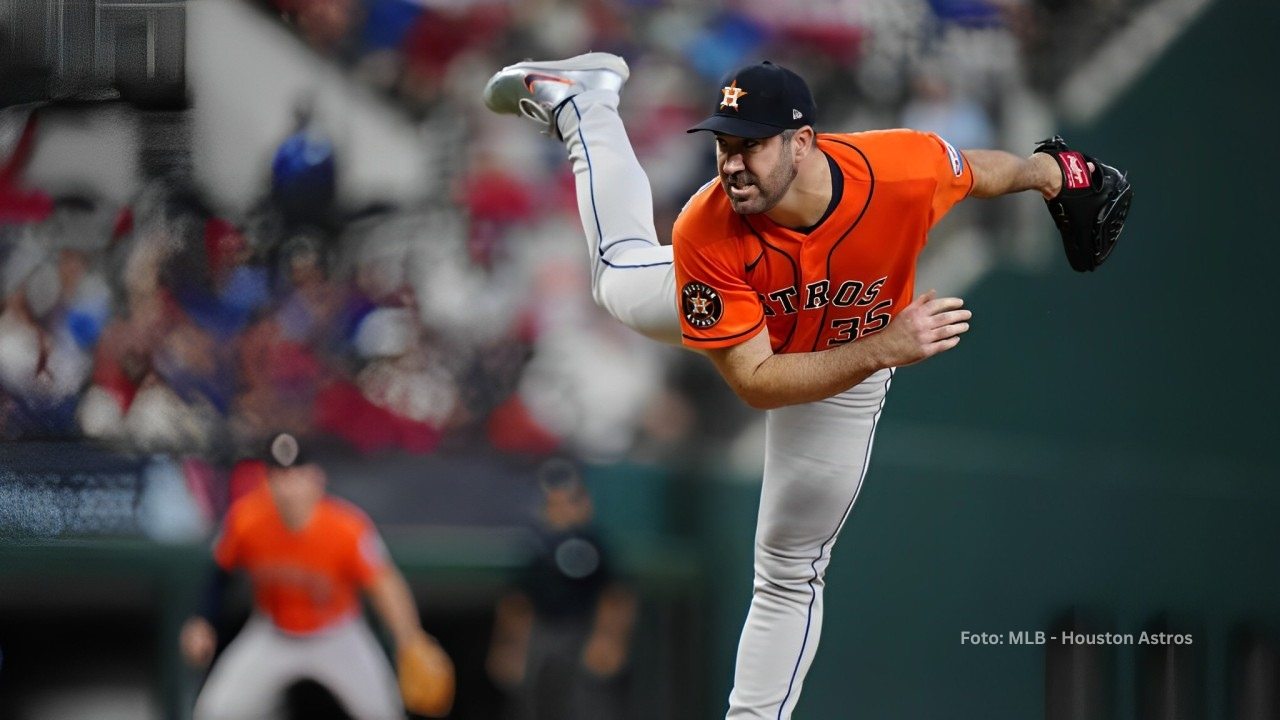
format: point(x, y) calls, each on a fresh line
point(755, 173)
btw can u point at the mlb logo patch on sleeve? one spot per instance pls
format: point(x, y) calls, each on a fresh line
point(957, 160)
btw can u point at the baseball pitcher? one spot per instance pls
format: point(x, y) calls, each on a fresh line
point(793, 271)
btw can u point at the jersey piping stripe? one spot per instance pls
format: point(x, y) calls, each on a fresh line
point(822, 549)
point(591, 188)
point(871, 191)
point(795, 274)
point(837, 185)
point(725, 337)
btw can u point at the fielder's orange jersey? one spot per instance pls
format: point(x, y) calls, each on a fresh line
point(836, 282)
point(303, 580)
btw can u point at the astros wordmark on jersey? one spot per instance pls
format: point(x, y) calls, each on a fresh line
point(842, 279)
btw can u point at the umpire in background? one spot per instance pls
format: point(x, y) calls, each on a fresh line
point(562, 638)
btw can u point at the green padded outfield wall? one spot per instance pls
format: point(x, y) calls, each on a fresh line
point(1104, 441)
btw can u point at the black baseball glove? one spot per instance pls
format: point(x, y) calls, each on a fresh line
point(1092, 206)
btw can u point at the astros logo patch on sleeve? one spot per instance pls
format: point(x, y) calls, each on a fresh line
point(701, 305)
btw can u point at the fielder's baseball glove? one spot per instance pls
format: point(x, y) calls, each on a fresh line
point(1091, 208)
point(427, 681)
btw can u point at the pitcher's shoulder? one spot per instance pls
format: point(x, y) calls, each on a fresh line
point(707, 218)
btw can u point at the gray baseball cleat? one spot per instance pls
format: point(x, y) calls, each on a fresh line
point(535, 88)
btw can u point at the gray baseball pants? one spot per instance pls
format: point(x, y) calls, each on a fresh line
point(249, 680)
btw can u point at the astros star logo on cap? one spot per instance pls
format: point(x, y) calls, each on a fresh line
point(731, 94)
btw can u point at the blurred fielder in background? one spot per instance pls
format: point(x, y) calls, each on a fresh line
point(808, 244)
point(307, 556)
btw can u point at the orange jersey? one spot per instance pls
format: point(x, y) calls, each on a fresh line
point(843, 279)
point(305, 580)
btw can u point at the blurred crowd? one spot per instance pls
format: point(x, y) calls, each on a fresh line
point(163, 326)
point(961, 68)
point(872, 48)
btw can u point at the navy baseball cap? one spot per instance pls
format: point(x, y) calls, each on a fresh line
point(284, 451)
point(760, 101)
